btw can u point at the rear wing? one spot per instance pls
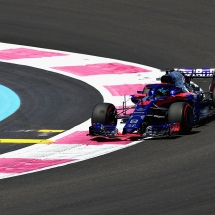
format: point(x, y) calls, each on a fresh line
point(196, 73)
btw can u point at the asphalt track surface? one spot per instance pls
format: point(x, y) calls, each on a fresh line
point(48, 101)
point(162, 176)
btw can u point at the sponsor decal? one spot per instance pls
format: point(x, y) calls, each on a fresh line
point(207, 72)
point(132, 125)
point(134, 121)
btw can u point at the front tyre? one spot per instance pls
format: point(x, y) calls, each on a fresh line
point(181, 112)
point(104, 113)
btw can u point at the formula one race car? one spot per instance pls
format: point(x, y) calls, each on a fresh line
point(163, 109)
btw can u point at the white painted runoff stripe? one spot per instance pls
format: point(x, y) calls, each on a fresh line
point(113, 78)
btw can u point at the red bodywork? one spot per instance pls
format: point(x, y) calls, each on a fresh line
point(174, 98)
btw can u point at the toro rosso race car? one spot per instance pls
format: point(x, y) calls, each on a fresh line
point(163, 109)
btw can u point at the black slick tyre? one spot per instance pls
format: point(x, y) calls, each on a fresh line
point(104, 113)
point(213, 98)
point(181, 112)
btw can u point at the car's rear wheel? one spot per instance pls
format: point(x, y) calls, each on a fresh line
point(213, 98)
point(181, 112)
point(104, 113)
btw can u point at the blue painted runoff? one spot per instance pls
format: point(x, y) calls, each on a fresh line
point(9, 102)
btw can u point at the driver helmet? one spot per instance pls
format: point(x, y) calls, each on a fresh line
point(163, 91)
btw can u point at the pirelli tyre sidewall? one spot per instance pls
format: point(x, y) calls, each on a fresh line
point(104, 113)
point(181, 112)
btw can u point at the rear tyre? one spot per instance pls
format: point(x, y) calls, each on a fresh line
point(181, 112)
point(213, 98)
point(104, 113)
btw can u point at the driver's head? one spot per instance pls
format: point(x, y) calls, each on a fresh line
point(164, 91)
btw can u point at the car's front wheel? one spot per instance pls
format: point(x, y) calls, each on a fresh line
point(181, 112)
point(104, 113)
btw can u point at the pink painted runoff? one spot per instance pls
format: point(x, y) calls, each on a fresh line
point(125, 89)
point(21, 53)
point(101, 69)
point(80, 137)
point(21, 165)
point(129, 111)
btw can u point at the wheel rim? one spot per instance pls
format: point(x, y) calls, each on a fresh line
point(110, 117)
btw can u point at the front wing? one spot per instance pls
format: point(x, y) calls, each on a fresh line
point(154, 130)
